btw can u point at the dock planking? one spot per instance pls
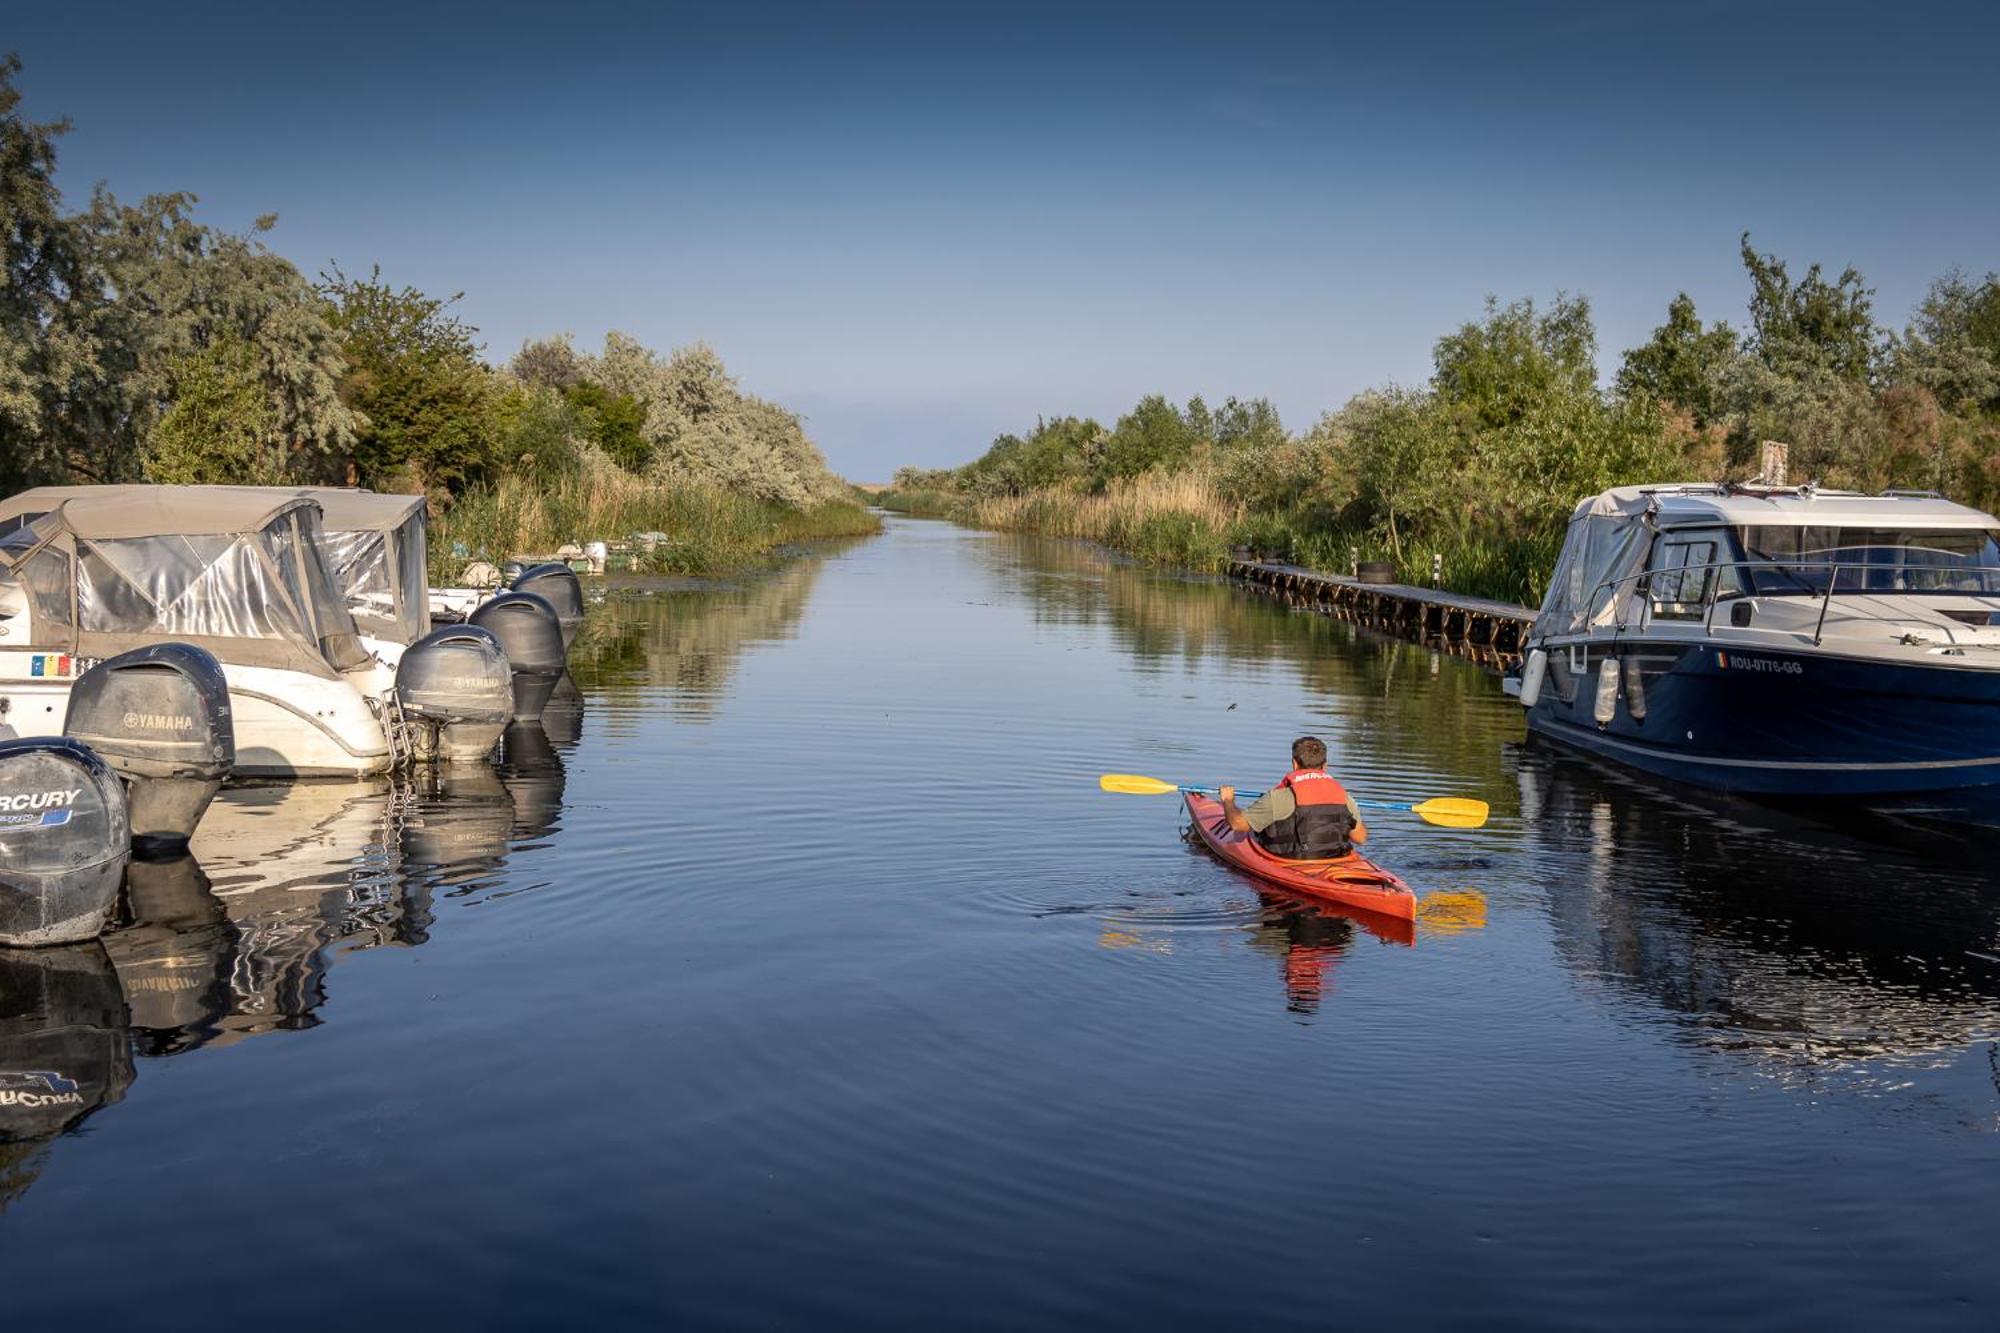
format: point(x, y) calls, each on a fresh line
point(1493, 628)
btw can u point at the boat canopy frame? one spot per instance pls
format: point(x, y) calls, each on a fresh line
point(239, 572)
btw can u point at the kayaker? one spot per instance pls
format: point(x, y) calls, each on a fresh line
point(1308, 816)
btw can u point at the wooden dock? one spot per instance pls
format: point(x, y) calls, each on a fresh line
point(1492, 629)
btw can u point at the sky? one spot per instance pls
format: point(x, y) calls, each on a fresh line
point(922, 225)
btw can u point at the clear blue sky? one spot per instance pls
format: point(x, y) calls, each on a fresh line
point(922, 225)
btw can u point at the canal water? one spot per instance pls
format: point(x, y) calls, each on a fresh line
point(796, 975)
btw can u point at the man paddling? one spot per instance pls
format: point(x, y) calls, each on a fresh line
point(1308, 816)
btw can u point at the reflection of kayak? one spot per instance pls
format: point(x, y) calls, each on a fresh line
point(1350, 881)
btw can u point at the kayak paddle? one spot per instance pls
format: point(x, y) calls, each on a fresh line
point(1444, 811)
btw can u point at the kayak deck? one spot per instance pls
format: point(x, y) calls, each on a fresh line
point(1350, 881)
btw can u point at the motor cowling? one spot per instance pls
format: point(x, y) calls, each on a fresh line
point(557, 584)
point(528, 632)
point(458, 683)
point(65, 836)
point(159, 717)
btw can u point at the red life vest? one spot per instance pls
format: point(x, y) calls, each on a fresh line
point(1320, 826)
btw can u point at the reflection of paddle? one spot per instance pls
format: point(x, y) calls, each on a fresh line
point(1444, 811)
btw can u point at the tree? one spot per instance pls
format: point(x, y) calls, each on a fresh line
point(1952, 344)
point(1153, 435)
point(616, 421)
point(41, 265)
point(1811, 322)
point(414, 375)
point(1499, 367)
point(221, 427)
point(1681, 364)
point(549, 362)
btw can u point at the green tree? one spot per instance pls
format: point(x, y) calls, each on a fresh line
point(1501, 366)
point(1828, 326)
point(1952, 345)
point(222, 427)
point(42, 264)
point(1681, 364)
point(616, 422)
point(414, 376)
point(1152, 436)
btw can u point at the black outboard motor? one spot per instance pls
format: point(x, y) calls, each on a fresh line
point(159, 716)
point(558, 584)
point(457, 682)
point(531, 636)
point(65, 837)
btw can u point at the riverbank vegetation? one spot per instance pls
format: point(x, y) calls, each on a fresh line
point(138, 344)
point(1481, 464)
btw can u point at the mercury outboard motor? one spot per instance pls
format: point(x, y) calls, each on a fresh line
point(457, 682)
point(65, 837)
point(531, 636)
point(558, 584)
point(159, 716)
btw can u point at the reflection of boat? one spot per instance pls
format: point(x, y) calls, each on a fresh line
point(1308, 941)
point(305, 871)
point(173, 954)
point(455, 828)
point(1768, 933)
point(63, 1050)
point(533, 772)
point(91, 572)
point(1776, 642)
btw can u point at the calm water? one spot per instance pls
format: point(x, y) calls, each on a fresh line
point(798, 976)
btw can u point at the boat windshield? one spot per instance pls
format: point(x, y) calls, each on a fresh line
point(1804, 560)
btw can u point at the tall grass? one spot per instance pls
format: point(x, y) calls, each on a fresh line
point(1177, 519)
point(707, 531)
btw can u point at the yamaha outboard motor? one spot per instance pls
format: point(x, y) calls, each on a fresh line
point(558, 585)
point(65, 837)
point(457, 682)
point(159, 716)
point(531, 636)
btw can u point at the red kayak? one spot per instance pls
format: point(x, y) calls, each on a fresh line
point(1349, 881)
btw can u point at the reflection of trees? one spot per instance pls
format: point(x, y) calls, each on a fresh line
point(1791, 941)
point(686, 637)
point(1444, 714)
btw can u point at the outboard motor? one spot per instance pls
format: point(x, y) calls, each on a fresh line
point(458, 683)
point(65, 837)
point(558, 584)
point(159, 716)
point(531, 636)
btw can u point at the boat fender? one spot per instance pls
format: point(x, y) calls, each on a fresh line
point(1607, 692)
point(1635, 690)
point(1564, 678)
point(1531, 677)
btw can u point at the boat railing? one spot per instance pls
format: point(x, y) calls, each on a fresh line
point(1964, 580)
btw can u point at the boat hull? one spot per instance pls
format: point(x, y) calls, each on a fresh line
point(1770, 722)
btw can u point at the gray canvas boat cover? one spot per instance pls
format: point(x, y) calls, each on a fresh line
point(1595, 585)
point(237, 570)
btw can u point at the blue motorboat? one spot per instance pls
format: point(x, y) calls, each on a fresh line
point(1778, 642)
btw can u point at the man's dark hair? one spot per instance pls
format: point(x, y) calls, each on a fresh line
point(1308, 752)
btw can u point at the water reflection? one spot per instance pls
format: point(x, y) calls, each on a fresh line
point(64, 1051)
point(1806, 946)
point(687, 637)
point(174, 954)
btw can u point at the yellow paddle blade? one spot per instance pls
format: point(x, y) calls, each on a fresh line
point(1452, 812)
point(1131, 784)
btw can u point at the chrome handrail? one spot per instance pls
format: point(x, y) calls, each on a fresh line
point(1989, 576)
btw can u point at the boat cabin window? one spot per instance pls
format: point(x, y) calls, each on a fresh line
point(1803, 560)
point(1690, 569)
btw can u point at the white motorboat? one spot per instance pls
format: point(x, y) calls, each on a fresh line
point(90, 572)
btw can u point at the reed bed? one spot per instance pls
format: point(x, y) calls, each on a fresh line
point(707, 531)
point(1178, 519)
